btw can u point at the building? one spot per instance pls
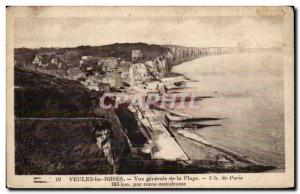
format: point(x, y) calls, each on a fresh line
point(109, 64)
point(37, 61)
point(91, 66)
point(54, 60)
point(152, 68)
point(84, 58)
point(57, 61)
point(161, 65)
point(113, 78)
point(137, 73)
point(46, 60)
point(136, 55)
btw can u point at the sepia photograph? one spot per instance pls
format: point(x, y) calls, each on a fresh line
point(150, 97)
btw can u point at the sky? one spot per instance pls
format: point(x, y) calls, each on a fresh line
point(191, 31)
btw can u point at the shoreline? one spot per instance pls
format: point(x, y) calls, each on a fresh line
point(232, 151)
point(243, 125)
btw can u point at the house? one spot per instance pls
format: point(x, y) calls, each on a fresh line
point(113, 78)
point(84, 58)
point(161, 65)
point(45, 60)
point(137, 73)
point(125, 76)
point(91, 66)
point(56, 60)
point(124, 63)
point(136, 55)
point(41, 60)
point(109, 64)
point(37, 61)
point(124, 72)
point(152, 68)
point(138, 70)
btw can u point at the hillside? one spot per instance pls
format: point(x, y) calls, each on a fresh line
point(41, 95)
point(122, 50)
point(54, 127)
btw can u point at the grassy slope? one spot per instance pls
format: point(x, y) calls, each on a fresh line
point(41, 95)
point(59, 146)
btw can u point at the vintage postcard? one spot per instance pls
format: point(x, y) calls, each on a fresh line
point(150, 97)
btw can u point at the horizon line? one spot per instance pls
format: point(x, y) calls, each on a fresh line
point(58, 47)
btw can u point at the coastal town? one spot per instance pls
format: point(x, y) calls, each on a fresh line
point(101, 73)
point(158, 97)
point(152, 95)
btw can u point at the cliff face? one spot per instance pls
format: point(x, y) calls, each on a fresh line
point(179, 54)
point(173, 55)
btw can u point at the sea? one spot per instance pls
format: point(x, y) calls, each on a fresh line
point(244, 94)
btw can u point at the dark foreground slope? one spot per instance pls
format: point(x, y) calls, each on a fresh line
point(54, 127)
point(41, 95)
point(58, 147)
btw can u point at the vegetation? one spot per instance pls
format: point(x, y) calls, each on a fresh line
point(54, 127)
point(58, 147)
point(70, 55)
point(41, 95)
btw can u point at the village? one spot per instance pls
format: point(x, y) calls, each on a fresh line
point(117, 73)
point(103, 73)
